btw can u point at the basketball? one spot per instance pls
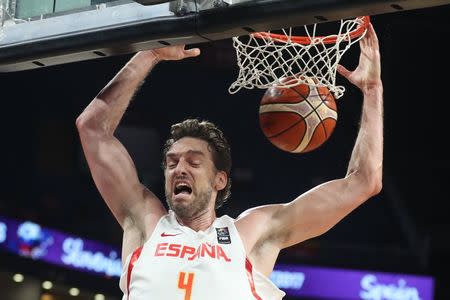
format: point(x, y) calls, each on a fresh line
point(298, 119)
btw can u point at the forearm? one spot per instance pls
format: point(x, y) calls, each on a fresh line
point(367, 157)
point(106, 110)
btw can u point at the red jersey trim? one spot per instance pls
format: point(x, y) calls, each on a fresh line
point(133, 259)
point(249, 271)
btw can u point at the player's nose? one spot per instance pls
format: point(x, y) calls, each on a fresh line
point(180, 169)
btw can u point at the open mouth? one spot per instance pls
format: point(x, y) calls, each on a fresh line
point(182, 188)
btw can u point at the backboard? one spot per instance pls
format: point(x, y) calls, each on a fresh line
point(40, 33)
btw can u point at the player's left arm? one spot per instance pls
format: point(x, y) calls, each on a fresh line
point(318, 210)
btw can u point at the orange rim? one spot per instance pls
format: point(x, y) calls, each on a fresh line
point(305, 40)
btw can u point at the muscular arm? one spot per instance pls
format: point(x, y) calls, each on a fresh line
point(136, 208)
point(111, 166)
point(318, 210)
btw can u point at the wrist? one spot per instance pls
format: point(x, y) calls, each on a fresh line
point(150, 56)
point(374, 88)
point(143, 61)
point(154, 56)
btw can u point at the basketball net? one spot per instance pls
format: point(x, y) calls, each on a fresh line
point(265, 58)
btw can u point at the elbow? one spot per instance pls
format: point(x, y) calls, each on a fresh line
point(89, 128)
point(91, 120)
point(376, 186)
point(84, 124)
point(374, 182)
point(370, 183)
point(81, 123)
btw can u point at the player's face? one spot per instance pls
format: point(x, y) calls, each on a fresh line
point(190, 177)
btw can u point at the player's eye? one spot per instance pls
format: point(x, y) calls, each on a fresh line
point(195, 164)
point(171, 164)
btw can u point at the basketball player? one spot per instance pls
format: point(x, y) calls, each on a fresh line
point(188, 252)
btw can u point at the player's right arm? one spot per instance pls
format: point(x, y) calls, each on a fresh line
point(136, 208)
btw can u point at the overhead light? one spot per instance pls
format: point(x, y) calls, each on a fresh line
point(18, 277)
point(47, 285)
point(99, 297)
point(74, 292)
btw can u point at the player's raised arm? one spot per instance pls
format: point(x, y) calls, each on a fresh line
point(318, 210)
point(111, 166)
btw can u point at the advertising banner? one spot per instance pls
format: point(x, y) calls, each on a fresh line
point(31, 240)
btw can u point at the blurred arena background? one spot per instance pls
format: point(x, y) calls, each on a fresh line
point(403, 230)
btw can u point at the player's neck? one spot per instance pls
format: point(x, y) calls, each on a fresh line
point(201, 221)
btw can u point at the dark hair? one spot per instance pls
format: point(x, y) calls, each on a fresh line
point(220, 149)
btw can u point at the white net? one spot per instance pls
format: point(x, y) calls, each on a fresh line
point(266, 59)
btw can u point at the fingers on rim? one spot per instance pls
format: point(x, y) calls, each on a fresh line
point(370, 36)
point(373, 33)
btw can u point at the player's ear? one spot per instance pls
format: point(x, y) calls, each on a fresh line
point(221, 180)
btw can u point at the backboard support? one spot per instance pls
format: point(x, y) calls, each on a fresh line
point(125, 26)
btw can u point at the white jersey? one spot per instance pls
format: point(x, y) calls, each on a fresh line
point(178, 263)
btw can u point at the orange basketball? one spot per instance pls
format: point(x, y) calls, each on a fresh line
point(298, 119)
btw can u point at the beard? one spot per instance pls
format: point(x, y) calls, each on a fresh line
point(198, 205)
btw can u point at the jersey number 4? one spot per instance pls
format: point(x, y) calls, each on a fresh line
point(185, 282)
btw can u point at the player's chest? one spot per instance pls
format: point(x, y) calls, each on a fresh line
point(188, 268)
point(177, 250)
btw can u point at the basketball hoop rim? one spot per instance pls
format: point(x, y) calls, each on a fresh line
point(305, 40)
